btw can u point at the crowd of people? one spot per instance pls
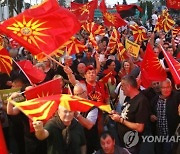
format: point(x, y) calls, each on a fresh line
point(151, 111)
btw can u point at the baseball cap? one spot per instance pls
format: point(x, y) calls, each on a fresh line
point(89, 67)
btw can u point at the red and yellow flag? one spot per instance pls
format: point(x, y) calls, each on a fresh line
point(51, 87)
point(113, 20)
point(108, 75)
point(159, 24)
point(175, 31)
point(151, 68)
point(174, 66)
point(39, 108)
point(75, 103)
point(109, 18)
point(168, 22)
point(5, 61)
point(43, 28)
point(165, 22)
point(102, 6)
point(95, 29)
point(92, 41)
point(113, 41)
point(122, 54)
point(84, 12)
point(74, 46)
point(139, 33)
point(33, 74)
point(45, 107)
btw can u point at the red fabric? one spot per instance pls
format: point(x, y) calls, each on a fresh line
point(173, 4)
point(98, 93)
point(109, 18)
point(44, 108)
point(151, 69)
point(113, 20)
point(95, 29)
point(34, 74)
point(5, 61)
point(174, 66)
point(102, 6)
point(3, 148)
point(139, 33)
point(74, 46)
point(109, 74)
point(120, 8)
point(43, 28)
point(84, 12)
point(46, 89)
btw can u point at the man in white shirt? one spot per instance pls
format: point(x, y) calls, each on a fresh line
point(154, 20)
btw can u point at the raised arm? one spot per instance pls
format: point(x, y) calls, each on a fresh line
point(70, 75)
point(40, 132)
point(11, 110)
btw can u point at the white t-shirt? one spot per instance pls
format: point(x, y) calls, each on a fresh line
point(154, 19)
point(121, 97)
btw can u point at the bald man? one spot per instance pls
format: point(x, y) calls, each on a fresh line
point(63, 133)
point(165, 114)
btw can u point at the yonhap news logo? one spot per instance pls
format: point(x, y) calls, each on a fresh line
point(131, 138)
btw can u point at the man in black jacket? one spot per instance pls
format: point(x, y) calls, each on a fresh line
point(165, 114)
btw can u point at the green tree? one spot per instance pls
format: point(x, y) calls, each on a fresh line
point(149, 9)
point(143, 6)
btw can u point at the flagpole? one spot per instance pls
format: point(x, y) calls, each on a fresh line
point(170, 62)
point(23, 72)
point(53, 60)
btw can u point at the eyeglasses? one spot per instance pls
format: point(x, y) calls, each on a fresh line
point(79, 93)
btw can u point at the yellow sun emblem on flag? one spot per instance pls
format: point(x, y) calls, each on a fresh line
point(111, 18)
point(85, 9)
point(30, 31)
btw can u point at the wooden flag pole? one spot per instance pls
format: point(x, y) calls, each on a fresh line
point(53, 60)
point(23, 72)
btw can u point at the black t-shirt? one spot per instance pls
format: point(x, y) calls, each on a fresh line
point(135, 110)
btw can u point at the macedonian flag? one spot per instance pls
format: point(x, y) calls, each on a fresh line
point(109, 18)
point(44, 108)
point(165, 22)
point(5, 61)
point(95, 29)
point(43, 28)
point(92, 41)
point(113, 41)
point(139, 33)
point(74, 46)
point(84, 12)
point(113, 20)
point(174, 66)
point(175, 31)
point(151, 69)
point(121, 54)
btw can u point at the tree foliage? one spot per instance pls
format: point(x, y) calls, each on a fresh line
point(149, 9)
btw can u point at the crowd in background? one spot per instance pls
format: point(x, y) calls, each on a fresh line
point(150, 111)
